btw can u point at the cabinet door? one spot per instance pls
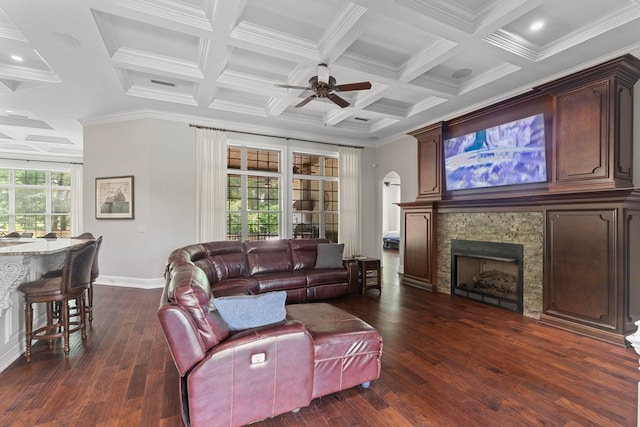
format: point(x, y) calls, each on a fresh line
point(632, 269)
point(429, 164)
point(582, 134)
point(581, 284)
point(417, 250)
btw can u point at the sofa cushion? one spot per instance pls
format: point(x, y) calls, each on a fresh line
point(327, 275)
point(268, 256)
point(251, 311)
point(229, 250)
point(229, 266)
point(329, 255)
point(280, 281)
point(237, 286)
point(303, 252)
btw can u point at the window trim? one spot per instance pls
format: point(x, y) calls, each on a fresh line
point(286, 174)
point(11, 186)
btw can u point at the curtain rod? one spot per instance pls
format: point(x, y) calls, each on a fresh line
point(41, 161)
point(275, 136)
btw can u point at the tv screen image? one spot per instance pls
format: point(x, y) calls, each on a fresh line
point(507, 154)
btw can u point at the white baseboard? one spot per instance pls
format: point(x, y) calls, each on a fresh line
point(131, 282)
point(10, 355)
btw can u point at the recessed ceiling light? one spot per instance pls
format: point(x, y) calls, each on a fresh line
point(537, 26)
point(462, 73)
point(17, 58)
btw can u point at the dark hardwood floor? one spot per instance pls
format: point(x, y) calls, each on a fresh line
point(447, 362)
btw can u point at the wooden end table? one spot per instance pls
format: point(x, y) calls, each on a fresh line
point(370, 274)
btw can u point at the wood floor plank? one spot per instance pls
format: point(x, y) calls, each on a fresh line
point(446, 362)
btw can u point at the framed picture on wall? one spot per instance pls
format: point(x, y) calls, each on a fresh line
point(114, 197)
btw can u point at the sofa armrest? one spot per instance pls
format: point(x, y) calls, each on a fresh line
point(182, 336)
point(352, 268)
point(252, 375)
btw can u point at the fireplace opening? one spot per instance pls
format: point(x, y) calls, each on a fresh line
point(489, 272)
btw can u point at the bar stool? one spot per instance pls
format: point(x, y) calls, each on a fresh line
point(95, 271)
point(71, 285)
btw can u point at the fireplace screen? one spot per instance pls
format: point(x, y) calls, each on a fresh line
point(489, 272)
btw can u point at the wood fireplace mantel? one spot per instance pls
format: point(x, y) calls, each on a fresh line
point(590, 206)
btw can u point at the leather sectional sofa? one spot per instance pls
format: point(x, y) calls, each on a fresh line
point(253, 267)
point(230, 378)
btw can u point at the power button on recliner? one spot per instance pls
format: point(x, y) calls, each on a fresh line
point(257, 358)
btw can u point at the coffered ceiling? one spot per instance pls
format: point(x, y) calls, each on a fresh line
point(68, 63)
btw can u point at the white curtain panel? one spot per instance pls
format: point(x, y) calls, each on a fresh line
point(76, 200)
point(211, 185)
point(349, 200)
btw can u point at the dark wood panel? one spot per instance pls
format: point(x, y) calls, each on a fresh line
point(430, 164)
point(420, 248)
point(632, 275)
point(624, 135)
point(582, 133)
point(581, 283)
point(447, 362)
point(416, 253)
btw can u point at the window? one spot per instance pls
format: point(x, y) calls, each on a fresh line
point(261, 181)
point(35, 201)
point(253, 194)
point(315, 196)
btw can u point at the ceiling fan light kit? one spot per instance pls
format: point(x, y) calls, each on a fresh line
point(323, 74)
point(323, 85)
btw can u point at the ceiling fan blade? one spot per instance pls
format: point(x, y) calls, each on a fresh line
point(305, 101)
point(337, 100)
point(292, 87)
point(353, 86)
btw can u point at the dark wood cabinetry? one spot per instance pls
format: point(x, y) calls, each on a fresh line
point(419, 246)
point(593, 125)
point(589, 275)
point(582, 126)
point(429, 161)
point(592, 214)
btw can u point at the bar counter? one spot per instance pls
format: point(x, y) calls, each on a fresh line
point(23, 260)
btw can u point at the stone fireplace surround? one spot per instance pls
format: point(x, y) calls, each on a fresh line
point(521, 227)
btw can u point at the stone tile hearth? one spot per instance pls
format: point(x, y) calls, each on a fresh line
point(525, 228)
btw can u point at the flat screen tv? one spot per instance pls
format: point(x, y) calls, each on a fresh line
point(507, 154)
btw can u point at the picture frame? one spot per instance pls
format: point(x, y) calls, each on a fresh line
point(115, 197)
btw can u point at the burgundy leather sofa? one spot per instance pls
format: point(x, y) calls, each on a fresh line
point(232, 378)
point(253, 267)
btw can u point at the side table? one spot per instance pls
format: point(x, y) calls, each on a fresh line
point(370, 274)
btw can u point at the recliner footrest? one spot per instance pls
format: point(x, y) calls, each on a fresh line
point(347, 349)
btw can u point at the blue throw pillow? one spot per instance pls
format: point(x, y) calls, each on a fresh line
point(329, 255)
point(251, 311)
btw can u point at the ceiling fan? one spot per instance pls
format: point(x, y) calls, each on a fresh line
point(324, 85)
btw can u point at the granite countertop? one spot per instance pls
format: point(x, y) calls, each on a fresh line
point(35, 246)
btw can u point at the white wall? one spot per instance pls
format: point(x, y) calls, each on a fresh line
point(161, 157)
point(371, 214)
point(401, 157)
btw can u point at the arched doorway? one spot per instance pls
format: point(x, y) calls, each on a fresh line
point(391, 211)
